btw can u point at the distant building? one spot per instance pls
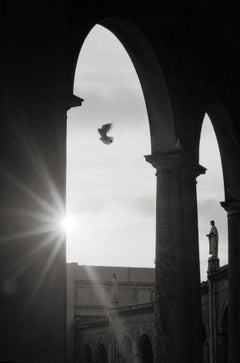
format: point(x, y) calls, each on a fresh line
point(110, 314)
point(215, 313)
point(109, 319)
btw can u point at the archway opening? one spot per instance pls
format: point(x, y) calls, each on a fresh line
point(110, 188)
point(101, 354)
point(146, 349)
point(210, 190)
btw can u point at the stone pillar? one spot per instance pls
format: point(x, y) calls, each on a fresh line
point(136, 354)
point(213, 266)
point(71, 273)
point(113, 330)
point(33, 91)
point(193, 314)
point(172, 339)
point(233, 213)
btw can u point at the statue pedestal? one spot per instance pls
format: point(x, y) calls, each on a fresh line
point(213, 264)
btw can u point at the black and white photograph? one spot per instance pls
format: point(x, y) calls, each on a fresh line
point(120, 181)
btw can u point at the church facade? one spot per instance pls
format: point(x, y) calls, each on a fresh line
point(111, 314)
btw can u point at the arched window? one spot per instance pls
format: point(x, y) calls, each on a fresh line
point(101, 354)
point(146, 349)
point(87, 355)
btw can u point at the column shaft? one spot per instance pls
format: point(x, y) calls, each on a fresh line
point(172, 344)
point(136, 354)
point(191, 261)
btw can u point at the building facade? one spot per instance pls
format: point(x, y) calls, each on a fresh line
point(111, 314)
point(215, 299)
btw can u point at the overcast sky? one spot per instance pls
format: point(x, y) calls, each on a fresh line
point(111, 189)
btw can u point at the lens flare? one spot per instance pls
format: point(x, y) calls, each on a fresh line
point(68, 223)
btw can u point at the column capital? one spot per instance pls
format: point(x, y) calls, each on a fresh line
point(175, 160)
point(232, 207)
point(164, 161)
point(190, 169)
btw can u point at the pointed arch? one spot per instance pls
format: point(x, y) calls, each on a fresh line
point(215, 105)
point(146, 349)
point(151, 76)
point(101, 354)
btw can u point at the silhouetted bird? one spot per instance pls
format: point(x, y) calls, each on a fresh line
point(103, 133)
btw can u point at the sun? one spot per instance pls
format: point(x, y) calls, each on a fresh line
point(68, 223)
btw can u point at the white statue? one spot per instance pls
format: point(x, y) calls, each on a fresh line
point(213, 240)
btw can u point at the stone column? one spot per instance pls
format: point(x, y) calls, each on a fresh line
point(193, 314)
point(71, 273)
point(213, 266)
point(113, 330)
point(172, 339)
point(136, 354)
point(233, 213)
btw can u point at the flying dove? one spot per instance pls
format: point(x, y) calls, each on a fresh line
point(103, 133)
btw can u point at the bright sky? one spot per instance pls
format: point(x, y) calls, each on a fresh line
point(210, 192)
point(111, 188)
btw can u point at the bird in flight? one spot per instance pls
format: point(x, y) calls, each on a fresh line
point(103, 133)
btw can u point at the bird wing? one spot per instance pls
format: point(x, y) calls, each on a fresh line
point(106, 127)
point(102, 133)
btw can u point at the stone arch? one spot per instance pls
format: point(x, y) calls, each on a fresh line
point(146, 348)
point(87, 354)
point(151, 76)
point(147, 330)
point(216, 105)
point(229, 149)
